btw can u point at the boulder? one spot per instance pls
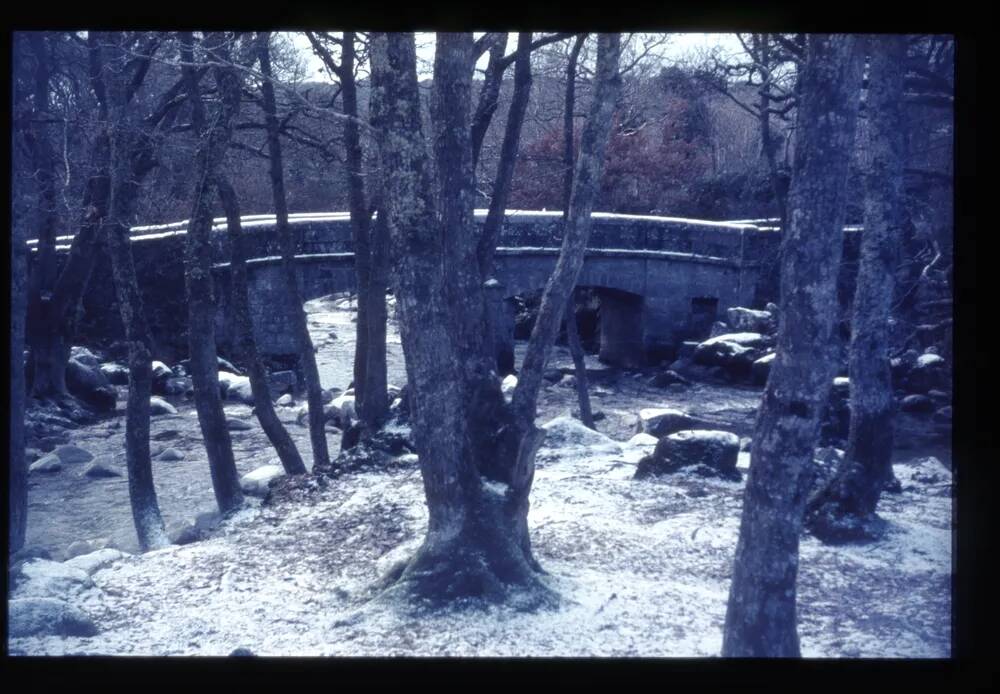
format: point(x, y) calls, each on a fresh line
point(92, 562)
point(919, 404)
point(47, 464)
point(748, 320)
point(686, 350)
point(48, 617)
point(285, 400)
point(660, 422)
point(761, 369)
point(166, 435)
point(507, 385)
point(566, 432)
point(179, 385)
point(668, 378)
point(84, 356)
point(98, 470)
point(51, 579)
point(282, 382)
point(552, 375)
point(929, 372)
point(81, 547)
point(89, 384)
point(116, 374)
point(70, 454)
point(255, 483)
point(236, 424)
point(718, 328)
point(228, 366)
point(735, 353)
point(708, 452)
point(943, 416)
point(226, 379)
point(184, 533)
point(158, 405)
point(240, 390)
point(161, 374)
point(169, 454)
point(345, 406)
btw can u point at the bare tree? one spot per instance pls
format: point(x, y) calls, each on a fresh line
point(132, 157)
point(263, 408)
point(213, 140)
point(760, 619)
point(845, 508)
point(476, 453)
point(572, 331)
point(289, 246)
point(370, 251)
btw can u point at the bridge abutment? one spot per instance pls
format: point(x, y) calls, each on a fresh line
point(622, 335)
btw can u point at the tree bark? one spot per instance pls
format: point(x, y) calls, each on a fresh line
point(760, 619)
point(131, 159)
point(50, 329)
point(845, 508)
point(43, 277)
point(572, 331)
point(489, 94)
point(370, 250)
point(198, 283)
point(17, 467)
point(263, 408)
point(508, 155)
point(289, 247)
point(477, 465)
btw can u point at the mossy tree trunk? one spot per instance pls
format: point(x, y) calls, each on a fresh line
point(476, 452)
point(761, 619)
point(844, 510)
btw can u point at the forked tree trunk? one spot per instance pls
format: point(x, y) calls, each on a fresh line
point(263, 408)
point(198, 282)
point(477, 541)
point(844, 510)
point(289, 247)
point(50, 329)
point(760, 619)
point(142, 492)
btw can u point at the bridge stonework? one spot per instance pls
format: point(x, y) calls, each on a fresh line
point(655, 276)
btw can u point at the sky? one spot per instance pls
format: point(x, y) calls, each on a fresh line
point(681, 46)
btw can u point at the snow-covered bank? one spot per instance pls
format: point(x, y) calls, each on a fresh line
point(643, 568)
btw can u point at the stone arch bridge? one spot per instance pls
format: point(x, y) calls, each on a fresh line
point(660, 280)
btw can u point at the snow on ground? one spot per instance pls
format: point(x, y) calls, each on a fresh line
point(643, 568)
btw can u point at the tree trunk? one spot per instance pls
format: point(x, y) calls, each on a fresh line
point(289, 247)
point(198, 282)
point(263, 408)
point(760, 619)
point(845, 509)
point(489, 94)
point(142, 493)
point(44, 338)
point(375, 407)
point(477, 469)
point(370, 379)
point(508, 155)
point(50, 329)
point(17, 467)
point(572, 332)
